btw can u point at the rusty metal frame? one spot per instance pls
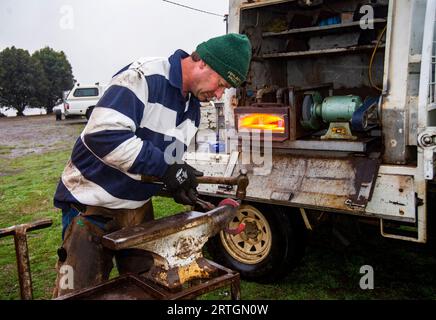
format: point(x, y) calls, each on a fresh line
point(21, 250)
point(152, 291)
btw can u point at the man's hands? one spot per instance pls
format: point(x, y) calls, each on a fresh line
point(181, 181)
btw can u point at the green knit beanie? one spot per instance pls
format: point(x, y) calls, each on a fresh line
point(228, 55)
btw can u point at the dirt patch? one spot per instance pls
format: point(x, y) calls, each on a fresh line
point(10, 172)
point(20, 136)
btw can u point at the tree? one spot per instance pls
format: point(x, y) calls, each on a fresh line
point(59, 74)
point(20, 78)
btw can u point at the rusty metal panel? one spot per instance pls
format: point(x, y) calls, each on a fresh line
point(393, 198)
point(343, 184)
point(366, 170)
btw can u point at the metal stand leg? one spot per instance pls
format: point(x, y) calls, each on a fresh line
point(22, 252)
point(235, 289)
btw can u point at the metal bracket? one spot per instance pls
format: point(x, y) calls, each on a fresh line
point(354, 206)
point(427, 142)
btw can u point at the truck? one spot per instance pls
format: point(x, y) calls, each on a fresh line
point(336, 119)
point(81, 100)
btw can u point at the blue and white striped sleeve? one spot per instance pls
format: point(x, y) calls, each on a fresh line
point(110, 132)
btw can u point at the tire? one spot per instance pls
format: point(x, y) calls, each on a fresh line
point(272, 243)
point(431, 220)
point(88, 112)
point(58, 114)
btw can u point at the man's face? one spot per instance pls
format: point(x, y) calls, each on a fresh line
point(208, 84)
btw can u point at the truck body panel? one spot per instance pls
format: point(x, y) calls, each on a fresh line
point(383, 173)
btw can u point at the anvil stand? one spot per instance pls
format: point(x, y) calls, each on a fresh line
point(136, 287)
point(179, 270)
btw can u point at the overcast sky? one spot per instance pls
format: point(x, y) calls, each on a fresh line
point(101, 36)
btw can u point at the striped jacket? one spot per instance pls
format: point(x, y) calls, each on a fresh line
point(141, 124)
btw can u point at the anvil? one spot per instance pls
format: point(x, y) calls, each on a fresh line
point(176, 243)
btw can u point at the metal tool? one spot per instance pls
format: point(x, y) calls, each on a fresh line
point(338, 112)
point(241, 181)
point(22, 252)
point(206, 206)
point(176, 243)
point(136, 287)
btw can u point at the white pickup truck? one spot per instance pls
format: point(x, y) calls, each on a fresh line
point(81, 100)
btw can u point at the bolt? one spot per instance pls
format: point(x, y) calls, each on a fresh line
point(427, 139)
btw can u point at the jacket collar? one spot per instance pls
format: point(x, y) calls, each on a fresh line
point(175, 76)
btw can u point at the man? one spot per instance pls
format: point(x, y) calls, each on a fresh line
point(141, 126)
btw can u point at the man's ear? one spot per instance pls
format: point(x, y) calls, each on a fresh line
point(202, 64)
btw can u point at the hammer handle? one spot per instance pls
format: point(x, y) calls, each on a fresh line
point(240, 181)
point(205, 179)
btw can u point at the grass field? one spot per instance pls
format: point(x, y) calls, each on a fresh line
point(328, 271)
point(26, 194)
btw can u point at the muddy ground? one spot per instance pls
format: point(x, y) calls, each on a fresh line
point(21, 136)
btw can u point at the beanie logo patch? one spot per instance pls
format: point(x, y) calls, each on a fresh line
point(233, 77)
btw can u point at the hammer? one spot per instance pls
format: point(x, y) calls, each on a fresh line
point(22, 252)
point(241, 181)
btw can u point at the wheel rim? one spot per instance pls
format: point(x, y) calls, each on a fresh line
point(253, 244)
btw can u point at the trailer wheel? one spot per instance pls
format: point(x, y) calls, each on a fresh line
point(58, 114)
point(88, 112)
point(269, 247)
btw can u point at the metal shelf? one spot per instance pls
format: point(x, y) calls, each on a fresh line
point(297, 54)
point(359, 145)
point(325, 29)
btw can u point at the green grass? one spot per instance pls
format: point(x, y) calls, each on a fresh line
point(26, 194)
point(5, 150)
point(328, 271)
point(402, 271)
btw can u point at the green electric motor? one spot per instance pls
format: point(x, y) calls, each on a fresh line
point(317, 111)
